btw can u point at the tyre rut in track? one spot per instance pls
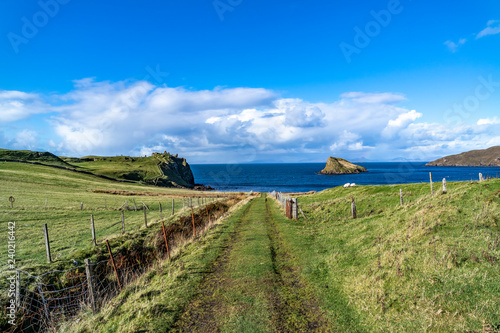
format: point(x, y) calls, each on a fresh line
point(199, 315)
point(268, 296)
point(296, 310)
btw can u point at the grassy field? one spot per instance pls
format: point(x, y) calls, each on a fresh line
point(429, 265)
point(33, 186)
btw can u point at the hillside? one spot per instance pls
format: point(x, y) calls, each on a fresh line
point(164, 170)
point(44, 158)
point(159, 169)
point(339, 166)
point(486, 157)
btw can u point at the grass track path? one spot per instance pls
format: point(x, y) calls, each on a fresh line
point(250, 287)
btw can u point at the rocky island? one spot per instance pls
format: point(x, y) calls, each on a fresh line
point(485, 157)
point(339, 166)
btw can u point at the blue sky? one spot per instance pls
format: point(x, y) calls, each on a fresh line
point(250, 81)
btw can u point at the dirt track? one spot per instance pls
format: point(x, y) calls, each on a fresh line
point(251, 287)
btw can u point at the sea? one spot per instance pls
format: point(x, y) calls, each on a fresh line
point(303, 177)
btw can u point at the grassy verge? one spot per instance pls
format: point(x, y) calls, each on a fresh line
point(156, 300)
point(429, 265)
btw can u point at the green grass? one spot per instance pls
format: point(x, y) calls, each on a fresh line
point(156, 300)
point(159, 169)
point(119, 167)
point(237, 278)
point(45, 158)
point(242, 293)
point(69, 227)
point(429, 265)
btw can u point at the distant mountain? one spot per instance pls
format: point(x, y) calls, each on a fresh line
point(486, 157)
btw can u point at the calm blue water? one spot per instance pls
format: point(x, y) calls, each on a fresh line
point(303, 177)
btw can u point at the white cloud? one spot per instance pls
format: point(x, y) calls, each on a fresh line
point(17, 105)
point(402, 121)
point(373, 98)
point(239, 124)
point(453, 47)
point(493, 28)
point(25, 139)
point(488, 121)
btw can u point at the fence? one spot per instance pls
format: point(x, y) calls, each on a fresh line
point(72, 228)
point(57, 296)
point(289, 204)
point(49, 299)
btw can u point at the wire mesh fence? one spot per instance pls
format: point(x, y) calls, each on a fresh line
point(44, 301)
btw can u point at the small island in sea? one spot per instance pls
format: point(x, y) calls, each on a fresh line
point(485, 157)
point(339, 166)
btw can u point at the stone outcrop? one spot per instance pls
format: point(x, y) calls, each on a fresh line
point(339, 166)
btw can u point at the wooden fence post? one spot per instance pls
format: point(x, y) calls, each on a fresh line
point(294, 208)
point(92, 227)
point(353, 208)
point(208, 214)
point(445, 190)
point(135, 206)
point(105, 204)
point(47, 242)
point(90, 284)
point(182, 203)
point(173, 206)
point(401, 196)
point(145, 216)
point(114, 266)
point(432, 187)
point(165, 236)
point(81, 205)
point(161, 212)
point(123, 222)
point(192, 217)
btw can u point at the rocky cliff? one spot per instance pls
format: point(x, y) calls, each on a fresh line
point(485, 157)
point(339, 166)
point(160, 169)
